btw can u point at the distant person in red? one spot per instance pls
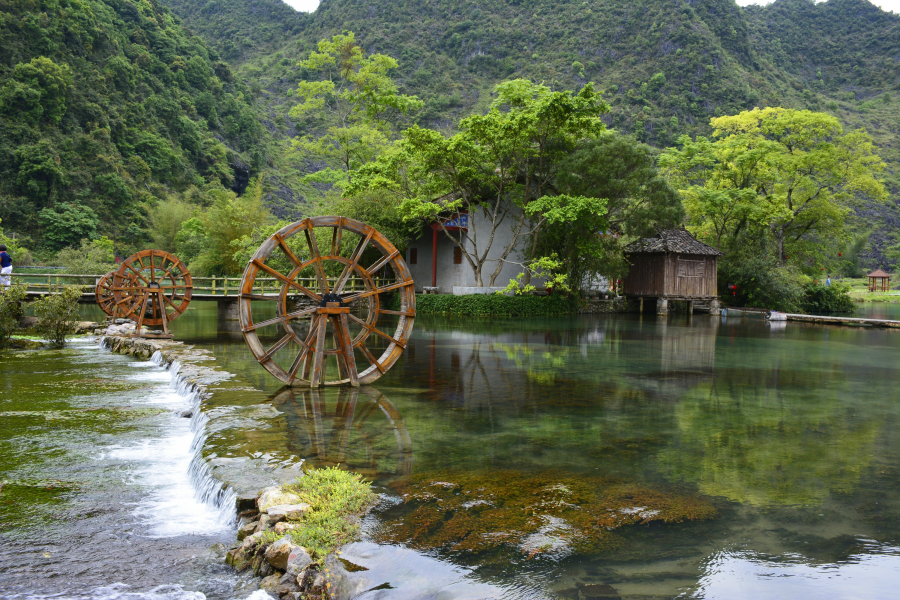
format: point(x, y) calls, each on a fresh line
point(5, 266)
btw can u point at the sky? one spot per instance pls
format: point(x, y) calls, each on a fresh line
point(889, 5)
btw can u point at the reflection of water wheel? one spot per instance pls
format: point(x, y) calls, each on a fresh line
point(350, 435)
point(152, 287)
point(317, 289)
point(104, 296)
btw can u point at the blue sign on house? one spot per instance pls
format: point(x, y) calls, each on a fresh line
point(459, 222)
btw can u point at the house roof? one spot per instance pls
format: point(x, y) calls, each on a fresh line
point(678, 241)
point(879, 273)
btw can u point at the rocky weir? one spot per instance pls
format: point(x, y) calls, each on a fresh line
point(265, 518)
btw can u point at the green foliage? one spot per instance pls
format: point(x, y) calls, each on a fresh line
point(57, 314)
point(16, 251)
point(820, 299)
point(337, 498)
point(486, 305)
point(67, 224)
point(210, 241)
point(11, 299)
point(94, 257)
point(166, 220)
point(374, 208)
point(762, 282)
point(499, 168)
point(100, 112)
point(546, 268)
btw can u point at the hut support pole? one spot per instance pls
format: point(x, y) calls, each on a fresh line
point(715, 308)
point(690, 307)
point(641, 305)
point(662, 306)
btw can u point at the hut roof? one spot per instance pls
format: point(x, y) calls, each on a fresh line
point(879, 273)
point(678, 241)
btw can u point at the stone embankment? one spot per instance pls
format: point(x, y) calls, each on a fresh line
point(288, 571)
point(266, 518)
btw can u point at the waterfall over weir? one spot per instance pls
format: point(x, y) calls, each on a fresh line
point(207, 489)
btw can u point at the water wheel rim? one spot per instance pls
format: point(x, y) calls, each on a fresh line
point(103, 294)
point(368, 236)
point(161, 284)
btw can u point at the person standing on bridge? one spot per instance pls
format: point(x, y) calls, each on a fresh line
point(5, 266)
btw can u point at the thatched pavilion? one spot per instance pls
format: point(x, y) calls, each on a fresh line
point(879, 281)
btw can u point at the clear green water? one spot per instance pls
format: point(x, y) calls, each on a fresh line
point(789, 430)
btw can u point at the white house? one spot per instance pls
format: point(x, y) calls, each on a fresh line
point(435, 261)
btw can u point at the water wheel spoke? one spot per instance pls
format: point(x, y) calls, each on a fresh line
point(281, 319)
point(287, 251)
point(370, 357)
point(318, 366)
point(152, 268)
point(375, 330)
point(138, 272)
point(399, 313)
point(262, 297)
point(317, 257)
point(379, 290)
point(384, 260)
point(278, 346)
point(304, 353)
point(307, 292)
point(336, 236)
point(354, 262)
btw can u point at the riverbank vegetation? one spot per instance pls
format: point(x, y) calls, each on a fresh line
point(486, 305)
point(57, 313)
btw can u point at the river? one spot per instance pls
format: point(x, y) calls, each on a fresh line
point(778, 444)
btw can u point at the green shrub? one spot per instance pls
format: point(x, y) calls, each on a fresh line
point(761, 283)
point(11, 299)
point(335, 498)
point(483, 305)
point(57, 314)
point(821, 299)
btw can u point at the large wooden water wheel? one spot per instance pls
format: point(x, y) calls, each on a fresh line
point(152, 288)
point(103, 295)
point(327, 304)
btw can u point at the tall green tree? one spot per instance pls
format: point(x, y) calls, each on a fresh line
point(500, 168)
point(350, 110)
point(793, 173)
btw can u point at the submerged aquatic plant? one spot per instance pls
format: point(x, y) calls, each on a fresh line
point(547, 512)
point(336, 500)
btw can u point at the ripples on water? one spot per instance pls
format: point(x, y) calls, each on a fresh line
point(130, 524)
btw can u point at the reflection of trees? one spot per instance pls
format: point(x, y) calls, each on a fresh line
point(357, 428)
point(761, 437)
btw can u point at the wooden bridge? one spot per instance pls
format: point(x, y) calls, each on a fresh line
point(223, 290)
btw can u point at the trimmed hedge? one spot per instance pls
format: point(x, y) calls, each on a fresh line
point(485, 305)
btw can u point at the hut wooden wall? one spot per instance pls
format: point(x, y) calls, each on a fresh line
point(678, 275)
point(646, 276)
point(692, 276)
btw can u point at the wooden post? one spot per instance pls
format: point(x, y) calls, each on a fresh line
point(662, 306)
point(641, 305)
point(690, 307)
point(434, 258)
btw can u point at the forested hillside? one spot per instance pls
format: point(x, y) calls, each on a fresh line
point(666, 67)
point(106, 106)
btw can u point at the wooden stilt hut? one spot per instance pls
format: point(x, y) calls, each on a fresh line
point(879, 281)
point(674, 265)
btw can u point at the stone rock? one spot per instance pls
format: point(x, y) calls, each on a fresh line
point(270, 584)
point(284, 527)
point(238, 558)
point(344, 584)
point(248, 529)
point(292, 512)
point(251, 540)
point(187, 414)
point(318, 582)
point(263, 523)
point(297, 561)
point(287, 585)
point(275, 496)
point(219, 550)
point(245, 502)
point(278, 553)
point(261, 567)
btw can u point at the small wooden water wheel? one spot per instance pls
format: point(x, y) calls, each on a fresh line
point(288, 330)
point(152, 288)
point(104, 296)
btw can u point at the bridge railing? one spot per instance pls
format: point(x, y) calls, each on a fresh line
point(203, 286)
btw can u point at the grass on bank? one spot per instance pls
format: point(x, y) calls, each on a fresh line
point(859, 291)
point(336, 498)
